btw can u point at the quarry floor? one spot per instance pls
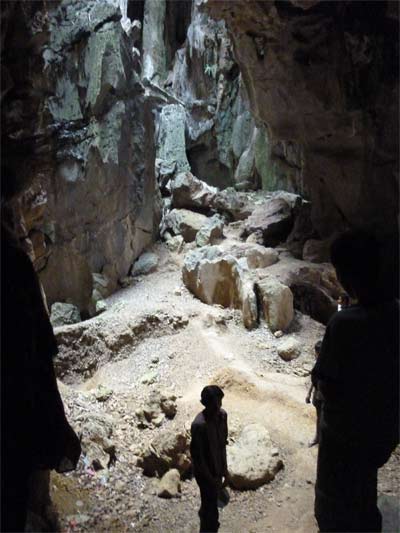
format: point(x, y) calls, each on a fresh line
point(259, 386)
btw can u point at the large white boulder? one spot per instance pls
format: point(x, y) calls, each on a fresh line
point(252, 459)
point(170, 484)
point(212, 277)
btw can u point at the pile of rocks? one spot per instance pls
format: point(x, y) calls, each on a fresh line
point(231, 240)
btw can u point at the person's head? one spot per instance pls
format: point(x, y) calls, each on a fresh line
point(356, 258)
point(317, 348)
point(211, 398)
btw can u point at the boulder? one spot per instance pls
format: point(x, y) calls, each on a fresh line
point(156, 408)
point(260, 257)
point(249, 305)
point(145, 264)
point(184, 222)
point(317, 251)
point(277, 303)
point(235, 204)
point(289, 349)
point(213, 277)
point(273, 219)
point(96, 430)
point(314, 300)
point(176, 243)
point(170, 484)
point(102, 393)
point(167, 450)
point(211, 232)
point(303, 230)
point(255, 238)
point(63, 314)
point(188, 191)
point(252, 459)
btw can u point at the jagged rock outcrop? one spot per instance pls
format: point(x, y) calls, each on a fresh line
point(332, 91)
point(92, 205)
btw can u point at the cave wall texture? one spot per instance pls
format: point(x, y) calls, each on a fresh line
point(102, 98)
point(324, 76)
point(80, 133)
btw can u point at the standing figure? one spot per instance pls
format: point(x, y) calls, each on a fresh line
point(315, 396)
point(208, 449)
point(357, 374)
point(35, 433)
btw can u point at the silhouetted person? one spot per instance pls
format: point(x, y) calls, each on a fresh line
point(35, 433)
point(315, 397)
point(208, 450)
point(358, 375)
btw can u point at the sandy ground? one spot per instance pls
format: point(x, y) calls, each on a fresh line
point(259, 387)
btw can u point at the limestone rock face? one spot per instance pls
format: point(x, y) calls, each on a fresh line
point(63, 314)
point(332, 89)
point(277, 303)
point(154, 60)
point(252, 460)
point(171, 145)
point(89, 129)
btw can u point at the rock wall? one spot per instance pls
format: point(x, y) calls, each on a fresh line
point(193, 63)
point(78, 104)
point(323, 78)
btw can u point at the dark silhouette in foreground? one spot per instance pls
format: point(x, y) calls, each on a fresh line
point(35, 433)
point(208, 449)
point(315, 397)
point(357, 374)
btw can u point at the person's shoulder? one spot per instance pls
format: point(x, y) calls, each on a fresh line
point(223, 413)
point(198, 422)
point(351, 314)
